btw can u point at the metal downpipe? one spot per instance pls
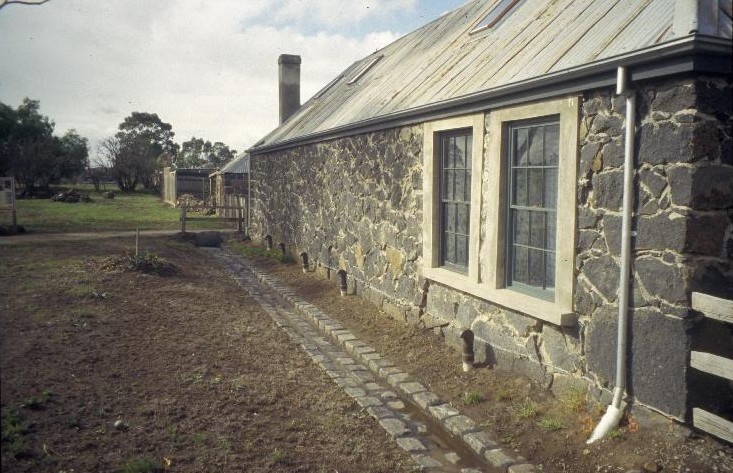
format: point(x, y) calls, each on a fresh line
point(615, 410)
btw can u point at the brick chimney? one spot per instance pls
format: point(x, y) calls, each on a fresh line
point(289, 85)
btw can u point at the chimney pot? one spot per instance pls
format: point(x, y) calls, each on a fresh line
point(289, 85)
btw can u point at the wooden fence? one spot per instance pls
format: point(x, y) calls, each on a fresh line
point(721, 310)
point(237, 212)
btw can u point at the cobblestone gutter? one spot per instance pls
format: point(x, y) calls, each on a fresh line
point(433, 432)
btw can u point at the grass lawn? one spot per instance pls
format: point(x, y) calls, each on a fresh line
point(124, 212)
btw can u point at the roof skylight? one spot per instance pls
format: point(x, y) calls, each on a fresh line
point(495, 15)
point(364, 70)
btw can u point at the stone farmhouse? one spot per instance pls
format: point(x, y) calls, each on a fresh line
point(525, 175)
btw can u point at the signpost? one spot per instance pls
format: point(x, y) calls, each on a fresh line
point(7, 196)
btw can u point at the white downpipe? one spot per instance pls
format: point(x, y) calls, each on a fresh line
point(615, 410)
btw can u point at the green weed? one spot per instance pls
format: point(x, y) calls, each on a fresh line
point(13, 425)
point(510, 440)
point(225, 445)
point(14, 430)
point(174, 434)
point(527, 409)
point(80, 290)
point(199, 438)
point(505, 394)
point(32, 403)
point(278, 457)
point(550, 423)
point(148, 263)
point(471, 398)
point(253, 251)
point(575, 400)
point(142, 465)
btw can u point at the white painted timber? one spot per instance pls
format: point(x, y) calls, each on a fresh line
point(712, 364)
point(712, 424)
point(713, 307)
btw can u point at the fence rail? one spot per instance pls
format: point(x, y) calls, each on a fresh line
point(720, 310)
point(239, 216)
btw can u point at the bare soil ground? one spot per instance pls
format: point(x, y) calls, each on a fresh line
point(524, 416)
point(201, 380)
point(105, 369)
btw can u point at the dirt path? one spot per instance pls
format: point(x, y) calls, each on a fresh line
point(79, 236)
point(122, 371)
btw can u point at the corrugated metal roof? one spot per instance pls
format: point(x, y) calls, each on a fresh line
point(442, 60)
point(238, 165)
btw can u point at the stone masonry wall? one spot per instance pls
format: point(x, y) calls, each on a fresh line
point(683, 210)
point(353, 204)
point(356, 203)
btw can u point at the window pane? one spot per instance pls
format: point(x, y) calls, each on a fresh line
point(467, 195)
point(448, 185)
point(519, 187)
point(549, 270)
point(462, 219)
point(460, 151)
point(456, 196)
point(550, 230)
point(449, 248)
point(536, 267)
point(534, 186)
point(459, 179)
point(536, 146)
point(445, 153)
point(462, 251)
point(469, 144)
point(552, 150)
point(451, 161)
point(521, 227)
point(520, 147)
point(519, 270)
point(537, 229)
point(449, 217)
point(550, 188)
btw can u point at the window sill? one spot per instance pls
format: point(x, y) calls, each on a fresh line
point(532, 306)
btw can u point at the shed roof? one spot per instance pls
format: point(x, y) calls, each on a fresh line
point(237, 165)
point(443, 66)
point(192, 172)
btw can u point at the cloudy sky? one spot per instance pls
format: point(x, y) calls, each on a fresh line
point(209, 68)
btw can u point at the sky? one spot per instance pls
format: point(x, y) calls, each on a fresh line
point(209, 68)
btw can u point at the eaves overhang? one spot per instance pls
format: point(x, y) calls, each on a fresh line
point(695, 53)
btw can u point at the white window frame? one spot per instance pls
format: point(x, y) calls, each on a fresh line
point(491, 202)
point(432, 268)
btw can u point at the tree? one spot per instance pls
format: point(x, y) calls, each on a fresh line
point(197, 153)
point(73, 158)
point(220, 155)
point(134, 150)
point(193, 153)
point(32, 154)
point(123, 167)
point(97, 172)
